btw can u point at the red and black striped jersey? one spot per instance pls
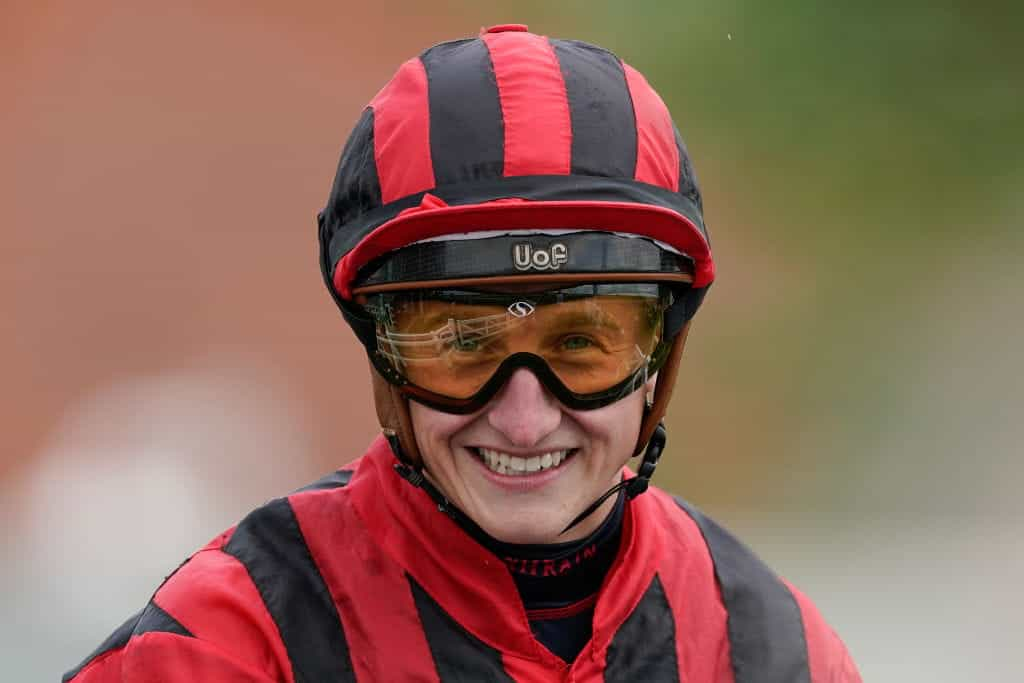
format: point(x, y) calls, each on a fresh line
point(359, 578)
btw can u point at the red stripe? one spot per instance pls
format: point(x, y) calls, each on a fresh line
point(534, 106)
point(702, 640)
point(460, 574)
point(157, 656)
point(382, 625)
point(561, 612)
point(827, 656)
point(551, 668)
point(213, 596)
point(105, 667)
point(401, 134)
point(657, 157)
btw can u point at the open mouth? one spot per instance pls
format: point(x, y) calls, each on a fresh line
point(515, 466)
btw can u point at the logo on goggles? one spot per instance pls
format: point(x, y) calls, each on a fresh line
point(521, 309)
point(526, 256)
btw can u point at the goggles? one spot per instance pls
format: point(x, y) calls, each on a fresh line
point(453, 349)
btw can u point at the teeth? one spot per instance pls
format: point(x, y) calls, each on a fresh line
point(503, 463)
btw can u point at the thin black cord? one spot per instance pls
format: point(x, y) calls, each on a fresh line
point(634, 486)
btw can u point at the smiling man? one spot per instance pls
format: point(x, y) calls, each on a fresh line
point(515, 235)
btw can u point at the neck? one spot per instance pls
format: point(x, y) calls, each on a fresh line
point(554, 574)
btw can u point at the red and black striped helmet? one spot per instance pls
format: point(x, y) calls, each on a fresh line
point(510, 131)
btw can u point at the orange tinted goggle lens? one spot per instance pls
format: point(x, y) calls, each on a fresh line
point(452, 347)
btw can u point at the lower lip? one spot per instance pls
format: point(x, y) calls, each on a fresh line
point(523, 482)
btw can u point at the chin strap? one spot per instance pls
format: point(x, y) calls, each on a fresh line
point(415, 476)
point(634, 486)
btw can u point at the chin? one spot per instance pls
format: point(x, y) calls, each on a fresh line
point(526, 531)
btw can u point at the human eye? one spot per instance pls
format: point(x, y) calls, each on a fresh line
point(472, 346)
point(467, 345)
point(577, 342)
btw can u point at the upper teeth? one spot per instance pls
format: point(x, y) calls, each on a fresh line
point(503, 463)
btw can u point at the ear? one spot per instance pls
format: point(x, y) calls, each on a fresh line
point(393, 415)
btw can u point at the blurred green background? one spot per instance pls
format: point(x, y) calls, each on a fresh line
point(848, 404)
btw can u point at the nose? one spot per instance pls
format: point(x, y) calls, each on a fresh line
point(523, 411)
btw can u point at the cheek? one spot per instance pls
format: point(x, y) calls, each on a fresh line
point(434, 429)
point(615, 427)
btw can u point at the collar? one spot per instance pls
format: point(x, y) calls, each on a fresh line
point(462, 575)
point(557, 574)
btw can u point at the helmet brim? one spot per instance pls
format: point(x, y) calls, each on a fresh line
point(434, 219)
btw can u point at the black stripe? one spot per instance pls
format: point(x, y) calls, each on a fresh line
point(688, 186)
point(458, 655)
point(644, 647)
point(153, 618)
point(356, 188)
point(149, 619)
point(467, 132)
point(766, 631)
point(535, 188)
point(269, 543)
point(603, 122)
point(333, 480)
point(117, 639)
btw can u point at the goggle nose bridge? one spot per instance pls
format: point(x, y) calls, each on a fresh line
point(544, 374)
point(527, 361)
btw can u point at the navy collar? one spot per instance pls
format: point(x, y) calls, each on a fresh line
point(558, 574)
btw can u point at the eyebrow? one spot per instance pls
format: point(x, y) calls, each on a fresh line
point(558, 317)
point(570, 318)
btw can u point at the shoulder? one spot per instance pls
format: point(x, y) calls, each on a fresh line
point(229, 610)
point(770, 623)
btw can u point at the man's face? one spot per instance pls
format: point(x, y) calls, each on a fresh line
point(523, 422)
